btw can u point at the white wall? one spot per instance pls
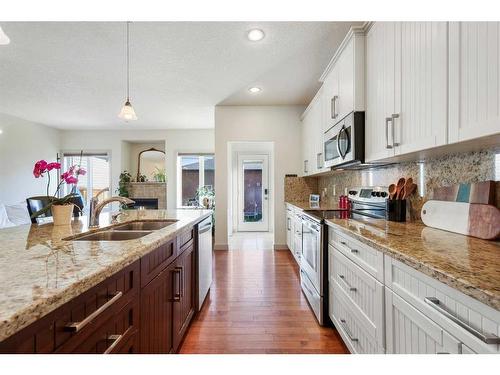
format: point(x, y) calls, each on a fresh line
point(278, 124)
point(136, 148)
point(22, 143)
point(195, 140)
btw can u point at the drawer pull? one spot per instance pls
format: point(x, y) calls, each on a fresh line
point(116, 340)
point(78, 326)
point(351, 288)
point(347, 331)
point(177, 296)
point(354, 251)
point(487, 338)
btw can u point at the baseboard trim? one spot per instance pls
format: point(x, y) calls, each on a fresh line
point(221, 246)
point(280, 247)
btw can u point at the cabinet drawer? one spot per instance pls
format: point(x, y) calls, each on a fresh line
point(369, 259)
point(77, 319)
point(451, 309)
point(111, 337)
point(185, 239)
point(366, 294)
point(157, 260)
point(349, 323)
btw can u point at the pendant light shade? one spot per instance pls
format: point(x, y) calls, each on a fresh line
point(127, 113)
point(4, 39)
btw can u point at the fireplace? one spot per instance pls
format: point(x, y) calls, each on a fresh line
point(151, 195)
point(146, 203)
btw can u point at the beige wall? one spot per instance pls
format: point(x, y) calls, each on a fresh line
point(278, 124)
point(195, 140)
point(22, 143)
point(136, 148)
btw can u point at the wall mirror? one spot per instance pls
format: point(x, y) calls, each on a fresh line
point(151, 165)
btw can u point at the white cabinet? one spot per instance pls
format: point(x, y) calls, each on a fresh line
point(344, 79)
point(289, 229)
point(380, 90)
point(411, 332)
point(407, 75)
point(312, 136)
point(474, 80)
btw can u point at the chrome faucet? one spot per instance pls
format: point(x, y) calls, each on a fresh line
point(96, 208)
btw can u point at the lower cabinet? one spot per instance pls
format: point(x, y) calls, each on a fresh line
point(410, 332)
point(184, 294)
point(144, 308)
point(156, 313)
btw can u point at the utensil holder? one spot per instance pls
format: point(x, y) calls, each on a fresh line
point(396, 210)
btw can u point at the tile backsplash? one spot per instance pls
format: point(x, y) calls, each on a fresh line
point(429, 174)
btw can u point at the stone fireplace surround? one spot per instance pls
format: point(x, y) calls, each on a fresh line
point(143, 190)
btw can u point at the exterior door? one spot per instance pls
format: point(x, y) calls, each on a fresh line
point(253, 193)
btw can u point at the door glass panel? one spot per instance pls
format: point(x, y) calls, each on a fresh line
point(209, 170)
point(252, 191)
point(310, 247)
point(190, 179)
point(331, 152)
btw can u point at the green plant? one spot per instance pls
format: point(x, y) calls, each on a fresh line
point(160, 175)
point(125, 178)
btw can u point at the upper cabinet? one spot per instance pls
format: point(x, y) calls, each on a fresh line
point(344, 79)
point(312, 136)
point(474, 85)
point(406, 86)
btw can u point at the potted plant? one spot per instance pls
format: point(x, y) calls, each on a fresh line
point(61, 207)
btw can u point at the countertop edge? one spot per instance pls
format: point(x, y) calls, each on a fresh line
point(453, 282)
point(43, 307)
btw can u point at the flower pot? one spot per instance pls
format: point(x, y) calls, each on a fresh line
point(62, 214)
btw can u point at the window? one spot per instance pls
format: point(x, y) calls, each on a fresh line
point(194, 171)
point(95, 180)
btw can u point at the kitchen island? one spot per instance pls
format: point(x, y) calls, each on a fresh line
point(44, 269)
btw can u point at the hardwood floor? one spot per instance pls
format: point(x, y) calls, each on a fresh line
point(256, 306)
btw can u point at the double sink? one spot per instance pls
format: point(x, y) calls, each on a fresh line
point(127, 231)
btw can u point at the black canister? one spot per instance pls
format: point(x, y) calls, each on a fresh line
point(396, 210)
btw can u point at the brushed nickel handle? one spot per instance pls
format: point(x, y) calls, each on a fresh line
point(393, 123)
point(354, 251)
point(335, 114)
point(181, 278)
point(116, 340)
point(332, 108)
point(78, 326)
point(485, 337)
point(177, 296)
point(351, 288)
point(387, 120)
point(347, 331)
point(288, 226)
point(318, 160)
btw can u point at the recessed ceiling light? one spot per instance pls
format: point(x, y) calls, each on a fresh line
point(254, 90)
point(4, 39)
point(255, 35)
point(1, 131)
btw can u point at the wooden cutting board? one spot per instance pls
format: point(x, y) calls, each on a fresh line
point(477, 192)
point(477, 220)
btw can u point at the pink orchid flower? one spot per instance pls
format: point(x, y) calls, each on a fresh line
point(40, 168)
point(52, 166)
point(81, 172)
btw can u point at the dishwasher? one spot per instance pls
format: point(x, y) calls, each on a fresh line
point(204, 259)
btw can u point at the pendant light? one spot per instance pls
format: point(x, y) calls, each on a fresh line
point(127, 113)
point(4, 39)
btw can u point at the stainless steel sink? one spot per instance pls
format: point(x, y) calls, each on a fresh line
point(145, 225)
point(112, 235)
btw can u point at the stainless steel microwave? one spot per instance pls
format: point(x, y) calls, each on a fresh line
point(344, 143)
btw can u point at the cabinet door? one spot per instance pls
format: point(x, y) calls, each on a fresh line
point(422, 77)
point(474, 80)
point(409, 331)
point(318, 120)
point(184, 294)
point(345, 102)
point(306, 131)
point(380, 90)
point(330, 98)
point(156, 314)
point(288, 226)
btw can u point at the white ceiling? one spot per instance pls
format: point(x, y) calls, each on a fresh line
point(72, 74)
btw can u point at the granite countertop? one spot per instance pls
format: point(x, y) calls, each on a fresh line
point(39, 271)
point(467, 264)
point(323, 206)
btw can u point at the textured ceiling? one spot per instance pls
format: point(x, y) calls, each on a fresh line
point(72, 74)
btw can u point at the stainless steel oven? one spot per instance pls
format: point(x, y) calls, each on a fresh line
point(312, 263)
point(344, 143)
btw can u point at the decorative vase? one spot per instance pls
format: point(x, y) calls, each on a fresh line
point(62, 214)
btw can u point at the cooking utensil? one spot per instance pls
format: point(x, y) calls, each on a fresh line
point(409, 190)
point(392, 191)
point(399, 187)
point(471, 219)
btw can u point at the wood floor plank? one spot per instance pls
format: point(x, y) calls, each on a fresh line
point(256, 306)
